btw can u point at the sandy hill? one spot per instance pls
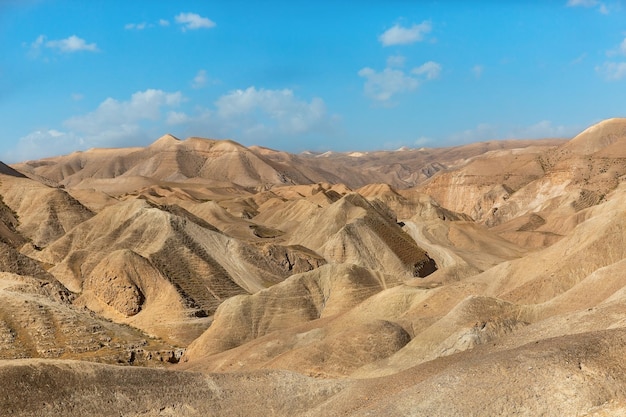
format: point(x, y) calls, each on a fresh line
point(400, 169)
point(534, 195)
point(167, 159)
point(227, 162)
point(352, 230)
point(136, 261)
point(484, 279)
point(45, 213)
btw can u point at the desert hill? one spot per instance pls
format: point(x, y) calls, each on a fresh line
point(484, 279)
point(169, 159)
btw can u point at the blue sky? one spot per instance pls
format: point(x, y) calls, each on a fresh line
point(351, 75)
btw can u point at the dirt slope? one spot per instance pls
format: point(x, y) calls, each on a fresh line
point(484, 279)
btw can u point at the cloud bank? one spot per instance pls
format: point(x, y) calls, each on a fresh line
point(251, 114)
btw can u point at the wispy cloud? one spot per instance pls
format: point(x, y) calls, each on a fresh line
point(602, 7)
point(619, 50)
point(34, 49)
point(487, 131)
point(396, 61)
point(582, 3)
point(423, 141)
point(177, 118)
point(188, 21)
point(67, 45)
point(38, 43)
point(72, 44)
point(193, 21)
point(543, 129)
point(430, 69)
point(146, 25)
point(482, 132)
point(136, 26)
point(381, 86)
point(199, 80)
point(399, 35)
point(579, 59)
point(612, 71)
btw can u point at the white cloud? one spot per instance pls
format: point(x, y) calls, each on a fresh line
point(113, 123)
point(38, 42)
point(189, 20)
point(396, 61)
point(477, 70)
point(42, 143)
point(192, 21)
point(143, 105)
point(77, 96)
point(177, 118)
point(288, 114)
point(55, 133)
point(35, 46)
point(200, 79)
point(398, 35)
point(382, 86)
point(69, 45)
point(136, 26)
point(257, 114)
point(431, 69)
point(252, 115)
point(612, 71)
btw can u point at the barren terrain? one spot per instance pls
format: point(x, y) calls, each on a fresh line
point(199, 277)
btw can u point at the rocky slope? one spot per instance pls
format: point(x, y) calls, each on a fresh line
point(484, 279)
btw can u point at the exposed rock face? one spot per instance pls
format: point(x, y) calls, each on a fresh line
point(115, 283)
point(294, 259)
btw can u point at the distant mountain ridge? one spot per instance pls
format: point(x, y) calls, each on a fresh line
point(225, 161)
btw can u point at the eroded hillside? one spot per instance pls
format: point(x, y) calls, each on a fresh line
point(481, 279)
